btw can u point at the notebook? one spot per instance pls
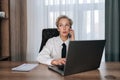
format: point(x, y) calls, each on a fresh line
point(82, 56)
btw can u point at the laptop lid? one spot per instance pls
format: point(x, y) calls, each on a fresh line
point(83, 56)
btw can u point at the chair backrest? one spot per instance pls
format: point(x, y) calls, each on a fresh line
point(46, 34)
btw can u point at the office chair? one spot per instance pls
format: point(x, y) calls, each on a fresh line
point(46, 34)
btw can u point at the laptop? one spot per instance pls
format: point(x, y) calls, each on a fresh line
point(82, 56)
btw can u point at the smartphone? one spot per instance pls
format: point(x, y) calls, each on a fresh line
point(69, 35)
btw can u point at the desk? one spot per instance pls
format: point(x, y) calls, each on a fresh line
point(107, 71)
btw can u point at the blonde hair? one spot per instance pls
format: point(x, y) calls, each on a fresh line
point(61, 17)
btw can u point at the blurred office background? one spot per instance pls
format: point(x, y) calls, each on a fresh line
point(92, 19)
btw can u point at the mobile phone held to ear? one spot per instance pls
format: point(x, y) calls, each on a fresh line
point(69, 35)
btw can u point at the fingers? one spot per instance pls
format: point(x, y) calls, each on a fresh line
point(62, 61)
point(59, 61)
point(72, 35)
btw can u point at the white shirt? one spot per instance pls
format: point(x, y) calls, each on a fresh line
point(52, 50)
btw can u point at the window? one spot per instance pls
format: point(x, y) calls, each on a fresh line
point(87, 15)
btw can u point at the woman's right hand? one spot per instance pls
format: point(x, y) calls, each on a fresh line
point(72, 38)
point(60, 61)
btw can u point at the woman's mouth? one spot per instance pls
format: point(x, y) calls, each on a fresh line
point(64, 32)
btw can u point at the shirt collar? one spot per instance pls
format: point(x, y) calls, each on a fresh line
point(66, 42)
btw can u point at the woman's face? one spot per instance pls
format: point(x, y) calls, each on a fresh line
point(64, 27)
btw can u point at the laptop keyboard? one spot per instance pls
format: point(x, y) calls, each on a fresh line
point(61, 67)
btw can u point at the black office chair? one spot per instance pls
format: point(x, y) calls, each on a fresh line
point(46, 34)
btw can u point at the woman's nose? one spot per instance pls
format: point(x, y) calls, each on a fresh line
point(64, 27)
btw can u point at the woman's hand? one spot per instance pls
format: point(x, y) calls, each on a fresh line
point(72, 36)
point(60, 61)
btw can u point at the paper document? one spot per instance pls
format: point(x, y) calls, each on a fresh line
point(25, 67)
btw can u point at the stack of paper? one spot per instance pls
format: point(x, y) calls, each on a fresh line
point(25, 67)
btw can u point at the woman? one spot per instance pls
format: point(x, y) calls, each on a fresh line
point(51, 52)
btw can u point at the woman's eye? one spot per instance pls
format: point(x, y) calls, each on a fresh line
point(60, 25)
point(67, 25)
